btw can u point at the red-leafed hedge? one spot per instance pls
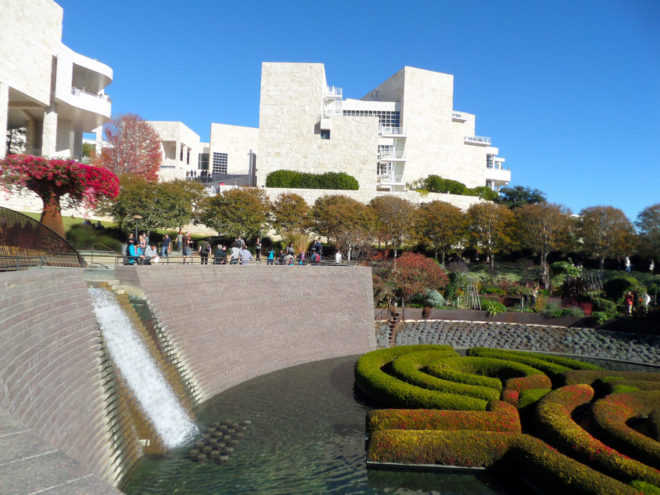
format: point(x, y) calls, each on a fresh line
point(610, 416)
point(500, 417)
point(556, 426)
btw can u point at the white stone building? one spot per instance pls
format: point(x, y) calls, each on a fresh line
point(181, 149)
point(46, 89)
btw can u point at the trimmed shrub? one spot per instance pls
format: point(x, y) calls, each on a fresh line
point(557, 427)
point(616, 287)
point(528, 382)
point(500, 417)
point(611, 415)
point(531, 396)
point(302, 180)
point(407, 368)
point(372, 378)
point(543, 465)
point(590, 377)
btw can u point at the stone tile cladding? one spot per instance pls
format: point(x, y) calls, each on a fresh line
point(233, 323)
point(50, 357)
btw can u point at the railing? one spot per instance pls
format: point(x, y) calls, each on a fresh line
point(77, 92)
point(333, 92)
point(194, 259)
point(12, 263)
point(458, 116)
point(386, 155)
point(389, 179)
point(477, 140)
point(385, 130)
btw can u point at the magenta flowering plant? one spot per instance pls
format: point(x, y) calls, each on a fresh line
point(51, 179)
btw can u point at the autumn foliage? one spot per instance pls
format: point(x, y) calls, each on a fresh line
point(134, 148)
point(51, 179)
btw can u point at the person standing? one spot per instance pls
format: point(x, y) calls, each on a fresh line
point(628, 300)
point(271, 257)
point(338, 257)
point(204, 250)
point(179, 241)
point(651, 266)
point(257, 250)
point(185, 246)
point(165, 247)
point(627, 264)
point(318, 247)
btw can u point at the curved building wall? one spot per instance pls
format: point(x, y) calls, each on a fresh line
point(233, 323)
point(50, 364)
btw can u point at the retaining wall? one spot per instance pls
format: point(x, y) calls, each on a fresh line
point(50, 357)
point(231, 323)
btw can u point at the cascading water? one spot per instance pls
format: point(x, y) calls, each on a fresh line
point(140, 371)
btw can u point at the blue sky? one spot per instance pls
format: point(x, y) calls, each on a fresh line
point(568, 90)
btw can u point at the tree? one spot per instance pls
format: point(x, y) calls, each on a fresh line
point(236, 212)
point(52, 179)
point(347, 221)
point(543, 228)
point(415, 273)
point(290, 213)
point(393, 220)
point(606, 233)
point(134, 147)
point(440, 226)
point(490, 225)
point(151, 205)
point(513, 197)
point(648, 223)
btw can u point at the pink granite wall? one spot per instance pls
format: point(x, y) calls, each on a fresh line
point(50, 358)
point(233, 323)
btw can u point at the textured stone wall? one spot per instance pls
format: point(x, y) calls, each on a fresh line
point(289, 133)
point(236, 141)
point(233, 323)
point(31, 35)
point(50, 363)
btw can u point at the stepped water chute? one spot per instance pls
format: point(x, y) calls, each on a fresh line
point(154, 394)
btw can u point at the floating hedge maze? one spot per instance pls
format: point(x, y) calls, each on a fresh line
point(564, 425)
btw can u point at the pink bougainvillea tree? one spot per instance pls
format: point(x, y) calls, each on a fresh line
point(52, 179)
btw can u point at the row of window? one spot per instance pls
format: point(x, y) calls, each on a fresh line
point(386, 118)
point(220, 163)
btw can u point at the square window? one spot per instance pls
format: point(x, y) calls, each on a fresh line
point(325, 134)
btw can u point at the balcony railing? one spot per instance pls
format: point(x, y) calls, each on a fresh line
point(333, 92)
point(391, 155)
point(77, 92)
point(458, 116)
point(389, 179)
point(481, 140)
point(385, 130)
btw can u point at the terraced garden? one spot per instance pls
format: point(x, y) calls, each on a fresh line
point(563, 425)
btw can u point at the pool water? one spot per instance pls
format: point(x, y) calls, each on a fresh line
point(306, 436)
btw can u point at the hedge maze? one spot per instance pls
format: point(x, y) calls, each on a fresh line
point(562, 424)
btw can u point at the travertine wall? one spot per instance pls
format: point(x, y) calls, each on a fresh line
point(289, 134)
point(30, 34)
point(232, 323)
point(311, 195)
point(50, 360)
point(236, 141)
point(184, 138)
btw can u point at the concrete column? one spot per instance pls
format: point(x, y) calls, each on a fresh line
point(30, 136)
point(99, 139)
point(4, 116)
point(49, 133)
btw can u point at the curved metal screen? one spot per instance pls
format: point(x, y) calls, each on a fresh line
point(26, 242)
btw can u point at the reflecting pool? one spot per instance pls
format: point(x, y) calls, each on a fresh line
point(306, 436)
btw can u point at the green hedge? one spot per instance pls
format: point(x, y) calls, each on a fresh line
point(302, 180)
point(590, 377)
point(535, 381)
point(544, 466)
point(553, 366)
point(408, 369)
point(373, 378)
point(616, 287)
point(500, 417)
point(557, 427)
point(610, 416)
point(467, 368)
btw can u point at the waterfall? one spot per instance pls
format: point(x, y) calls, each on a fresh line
point(141, 372)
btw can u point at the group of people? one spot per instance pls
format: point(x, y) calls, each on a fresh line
point(140, 251)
